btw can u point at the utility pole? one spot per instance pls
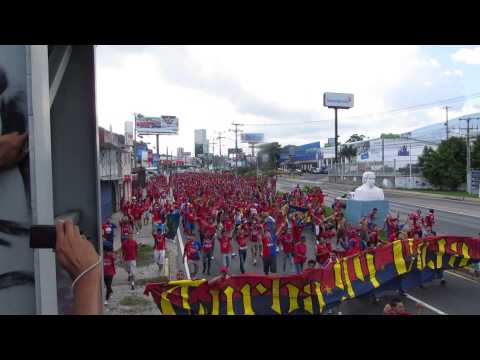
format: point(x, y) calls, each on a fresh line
point(219, 138)
point(236, 131)
point(469, 175)
point(213, 152)
point(446, 121)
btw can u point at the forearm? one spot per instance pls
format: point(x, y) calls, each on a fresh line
point(87, 298)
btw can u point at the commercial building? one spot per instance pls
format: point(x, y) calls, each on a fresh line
point(201, 142)
point(115, 170)
point(303, 157)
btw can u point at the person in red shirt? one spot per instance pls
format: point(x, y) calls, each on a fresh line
point(323, 252)
point(300, 254)
point(108, 269)
point(207, 253)
point(396, 307)
point(226, 248)
point(241, 239)
point(429, 220)
point(191, 252)
point(269, 253)
point(297, 228)
point(159, 249)
point(254, 237)
point(129, 251)
point(286, 246)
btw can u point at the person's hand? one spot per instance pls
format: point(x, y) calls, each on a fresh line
point(73, 250)
point(11, 149)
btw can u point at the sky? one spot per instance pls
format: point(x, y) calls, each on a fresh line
point(278, 90)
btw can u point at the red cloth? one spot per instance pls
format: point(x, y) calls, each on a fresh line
point(191, 250)
point(225, 245)
point(300, 253)
point(159, 241)
point(109, 263)
point(287, 242)
point(323, 252)
point(129, 249)
point(242, 241)
point(207, 245)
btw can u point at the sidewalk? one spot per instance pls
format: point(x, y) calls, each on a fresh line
point(125, 301)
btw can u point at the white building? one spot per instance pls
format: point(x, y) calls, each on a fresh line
point(201, 142)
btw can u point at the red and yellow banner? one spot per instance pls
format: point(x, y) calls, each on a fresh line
point(400, 264)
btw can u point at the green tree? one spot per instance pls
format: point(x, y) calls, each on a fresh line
point(390, 136)
point(355, 137)
point(273, 151)
point(348, 152)
point(445, 167)
point(475, 154)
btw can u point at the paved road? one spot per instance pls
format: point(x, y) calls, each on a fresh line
point(459, 296)
point(457, 217)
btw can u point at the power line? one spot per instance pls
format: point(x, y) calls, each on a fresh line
point(393, 111)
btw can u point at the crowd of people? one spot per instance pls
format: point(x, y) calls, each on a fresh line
point(248, 219)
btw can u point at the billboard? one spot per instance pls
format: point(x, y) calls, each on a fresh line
point(331, 141)
point(163, 125)
point(129, 133)
point(139, 149)
point(403, 151)
point(251, 138)
point(233, 151)
point(337, 100)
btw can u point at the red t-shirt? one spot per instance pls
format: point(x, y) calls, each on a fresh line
point(228, 225)
point(159, 241)
point(129, 249)
point(225, 245)
point(242, 241)
point(207, 245)
point(109, 264)
point(191, 250)
point(323, 252)
point(287, 242)
point(300, 253)
point(266, 241)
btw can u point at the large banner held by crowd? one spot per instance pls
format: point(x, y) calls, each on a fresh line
point(402, 264)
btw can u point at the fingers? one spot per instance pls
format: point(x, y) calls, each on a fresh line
point(60, 235)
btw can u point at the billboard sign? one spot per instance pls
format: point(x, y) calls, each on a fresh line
point(403, 151)
point(129, 133)
point(331, 141)
point(252, 138)
point(307, 152)
point(234, 151)
point(163, 125)
point(338, 100)
point(139, 148)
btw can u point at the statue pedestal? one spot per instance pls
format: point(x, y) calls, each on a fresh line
point(356, 209)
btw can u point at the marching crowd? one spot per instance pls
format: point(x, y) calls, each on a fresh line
point(247, 218)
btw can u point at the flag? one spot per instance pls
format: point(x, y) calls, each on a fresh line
point(402, 264)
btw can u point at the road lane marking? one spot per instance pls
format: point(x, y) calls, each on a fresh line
point(462, 277)
point(430, 307)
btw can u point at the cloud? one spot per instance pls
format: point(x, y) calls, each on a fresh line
point(212, 86)
point(470, 56)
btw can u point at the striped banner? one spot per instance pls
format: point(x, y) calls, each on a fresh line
point(398, 265)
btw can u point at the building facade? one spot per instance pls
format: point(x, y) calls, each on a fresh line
point(115, 170)
point(201, 142)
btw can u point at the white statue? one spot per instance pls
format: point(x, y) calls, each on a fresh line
point(368, 191)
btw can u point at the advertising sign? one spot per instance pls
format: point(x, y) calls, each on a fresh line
point(163, 125)
point(338, 100)
point(331, 141)
point(139, 149)
point(403, 151)
point(233, 151)
point(475, 179)
point(129, 133)
point(251, 138)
